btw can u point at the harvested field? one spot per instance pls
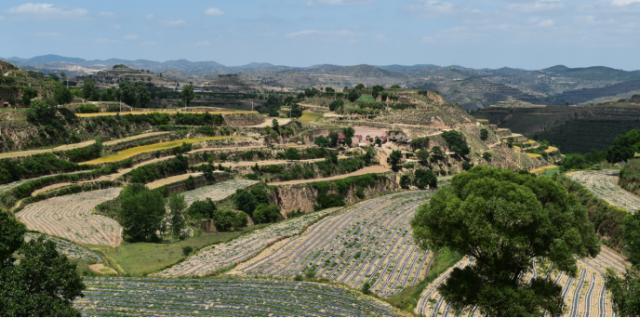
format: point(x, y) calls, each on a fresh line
point(115, 142)
point(130, 152)
point(69, 249)
point(584, 295)
point(171, 180)
point(363, 171)
point(604, 184)
point(218, 257)
point(128, 296)
point(218, 191)
point(367, 242)
point(268, 122)
point(71, 217)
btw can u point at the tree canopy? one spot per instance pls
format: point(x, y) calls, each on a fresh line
point(624, 147)
point(504, 221)
point(456, 142)
point(141, 211)
point(42, 282)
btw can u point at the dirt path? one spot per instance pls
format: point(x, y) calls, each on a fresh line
point(363, 171)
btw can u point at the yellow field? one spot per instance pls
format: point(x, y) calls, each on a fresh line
point(534, 155)
point(309, 117)
point(130, 152)
point(551, 149)
point(172, 111)
point(543, 169)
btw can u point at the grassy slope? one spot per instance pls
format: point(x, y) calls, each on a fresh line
point(144, 258)
point(408, 298)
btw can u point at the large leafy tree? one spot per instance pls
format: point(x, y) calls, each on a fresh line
point(504, 221)
point(38, 281)
point(141, 212)
point(456, 142)
point(625, 146)
point(187, 94)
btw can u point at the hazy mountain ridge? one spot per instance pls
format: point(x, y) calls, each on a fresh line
point(471, 88)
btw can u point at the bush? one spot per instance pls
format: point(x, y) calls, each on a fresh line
point(484, 134)
point(203, 209)
point(425, 179)
point(33, 166)
point(245, 201)
point(405, 181)
point(155, 171)
point(187, 250)
point(266, 214)
point(456, 142)
point(420, 143)
point(227, 220)
point(630, 176)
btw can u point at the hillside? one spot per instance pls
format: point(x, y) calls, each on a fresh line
point(471, 88)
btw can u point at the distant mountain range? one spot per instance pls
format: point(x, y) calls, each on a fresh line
point(471, 88)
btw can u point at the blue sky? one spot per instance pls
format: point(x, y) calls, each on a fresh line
point(476, 33)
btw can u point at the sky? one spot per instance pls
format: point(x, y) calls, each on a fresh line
point(528, 34)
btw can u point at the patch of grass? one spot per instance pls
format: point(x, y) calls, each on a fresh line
point(408, 298)
point(139, 259)
point(130, 152)
point(309, 117)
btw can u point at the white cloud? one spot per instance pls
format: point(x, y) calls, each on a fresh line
point(536, 6)
point(546, 23)
point(177, 23)
point(322, 33)
point(336, 2)
point(432, 7)
point(213, 12)
point(47, 10)
point(624, 3)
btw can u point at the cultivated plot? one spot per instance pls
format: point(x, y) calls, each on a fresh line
point(604, 184)
point(368, 242)
point(224, 255)
point(584, 295)
point(218, 191)
point(71, 217)
point(127, 296)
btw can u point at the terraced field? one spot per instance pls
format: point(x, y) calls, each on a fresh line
point(218, 257)
point(130, 152)
point(164, 111)
point(218, 191)
point(69, 249)
point(71, 217)
point(363, 171)
point(604, 184)
point(584, 295)
point(127, 296)
point(367, 242)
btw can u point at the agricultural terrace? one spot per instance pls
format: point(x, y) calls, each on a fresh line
point(131, 152)
point(360, 172)
point(219, 257)
point(156, 184)
point(62, 148)
point(369, 242)
point(164, 111)
point(67, 248)
point(604, 184)
point(584, 295)
point(268, 122)
point(127, 296)
point(218, 191)
point(71, 217)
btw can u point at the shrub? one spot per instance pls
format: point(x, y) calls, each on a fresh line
point(425, 179)
point(456, 142)
point(245, 201)
point(484, 134)
point(227, 220)
point(202, 209)
point(405, 181)
point(187, 250)
point(266, 214)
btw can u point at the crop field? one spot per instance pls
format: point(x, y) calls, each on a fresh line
point(367, 242)
point(130, 152)
point(604, 184)
point(171, 180)
point(584, 295)
point(69, 249)
point(218, 191)
point(127, 296)
point(310, 116)
point(219, 257)
point(71, 217)
point(135, 138)
point(363, 171)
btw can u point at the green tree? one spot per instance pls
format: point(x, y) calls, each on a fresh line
point(423, 157)
point(395, 159)
point(336, 105)
point(425, 179)
point(28, 94)
point(266, 213)
point(187, 94)
point(89, 89)
point(484, 134)
point(141, 211)
point(227, 220)
point(245, 201)
point(631, 230)
point(487, 156)
point(624, 147)
point(41, 283)
point(376, 90)
point(437, 154)
point(177, 205)
point(405, 181)
point(626, 292)
point(202, 209)
point(61, 94)
point(456, 142)
point(420, 143)
point(505, 221)
point(296, 111)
